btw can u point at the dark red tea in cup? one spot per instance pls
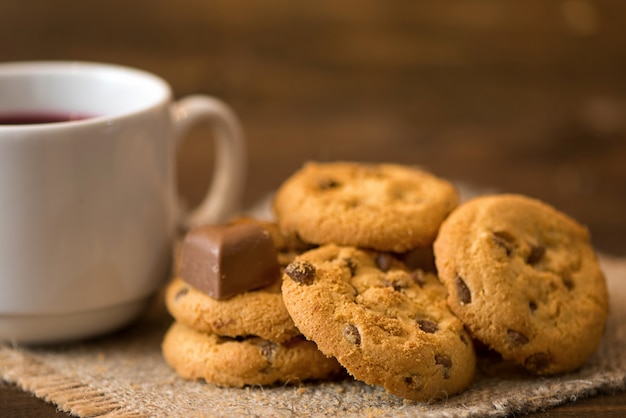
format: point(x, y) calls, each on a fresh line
point(40, 117)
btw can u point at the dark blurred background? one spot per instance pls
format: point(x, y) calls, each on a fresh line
point(521, 96)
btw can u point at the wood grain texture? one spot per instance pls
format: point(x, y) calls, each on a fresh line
point(521, 96)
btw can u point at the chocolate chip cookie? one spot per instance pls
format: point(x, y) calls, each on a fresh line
point(525, 280)
point(386, 325)
point(244, 361)
point(385, 207)
point(259, 312)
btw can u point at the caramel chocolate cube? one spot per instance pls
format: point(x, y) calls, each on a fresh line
point(225, 260)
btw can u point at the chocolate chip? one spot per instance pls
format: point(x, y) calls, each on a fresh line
point(418, 277)
point(384, 261)
point(532, 306)
point(446, 362)
point(395, 286)
point(538, 362)
point(352, 334)
point(536, 254)
point(182, 292)
point(302, 272)
point(327, 183)
point(567, 281)
point(516, 338)
point(504, 240)
point(414, 382)
point(465, 296)
point(268, 349)
point(427, 326)
point(398, 285)
point(443, 360)
point(352, 265)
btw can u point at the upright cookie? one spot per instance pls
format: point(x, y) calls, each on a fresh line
point(384, 207)
point(525, 280)
point(386, 325)
point(244, 361)
point(259, 312)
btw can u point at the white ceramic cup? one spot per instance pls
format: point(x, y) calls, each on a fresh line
point(89, 208)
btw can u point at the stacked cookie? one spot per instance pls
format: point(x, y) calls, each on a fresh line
point(386, 322)
point(231, 327)
point(386, 274)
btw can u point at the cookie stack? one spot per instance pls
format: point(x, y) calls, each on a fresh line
point(231, 327)
point(386, 322)
point(398, 282)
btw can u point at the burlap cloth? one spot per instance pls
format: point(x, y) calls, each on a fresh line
point(124, 374)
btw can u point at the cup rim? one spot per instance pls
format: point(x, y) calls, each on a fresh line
point(65, 66)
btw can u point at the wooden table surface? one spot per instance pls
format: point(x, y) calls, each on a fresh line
point(519, 96)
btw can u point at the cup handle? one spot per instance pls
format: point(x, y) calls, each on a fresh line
point(223, 197)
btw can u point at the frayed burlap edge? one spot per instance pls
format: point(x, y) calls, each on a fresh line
point(69, 394)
